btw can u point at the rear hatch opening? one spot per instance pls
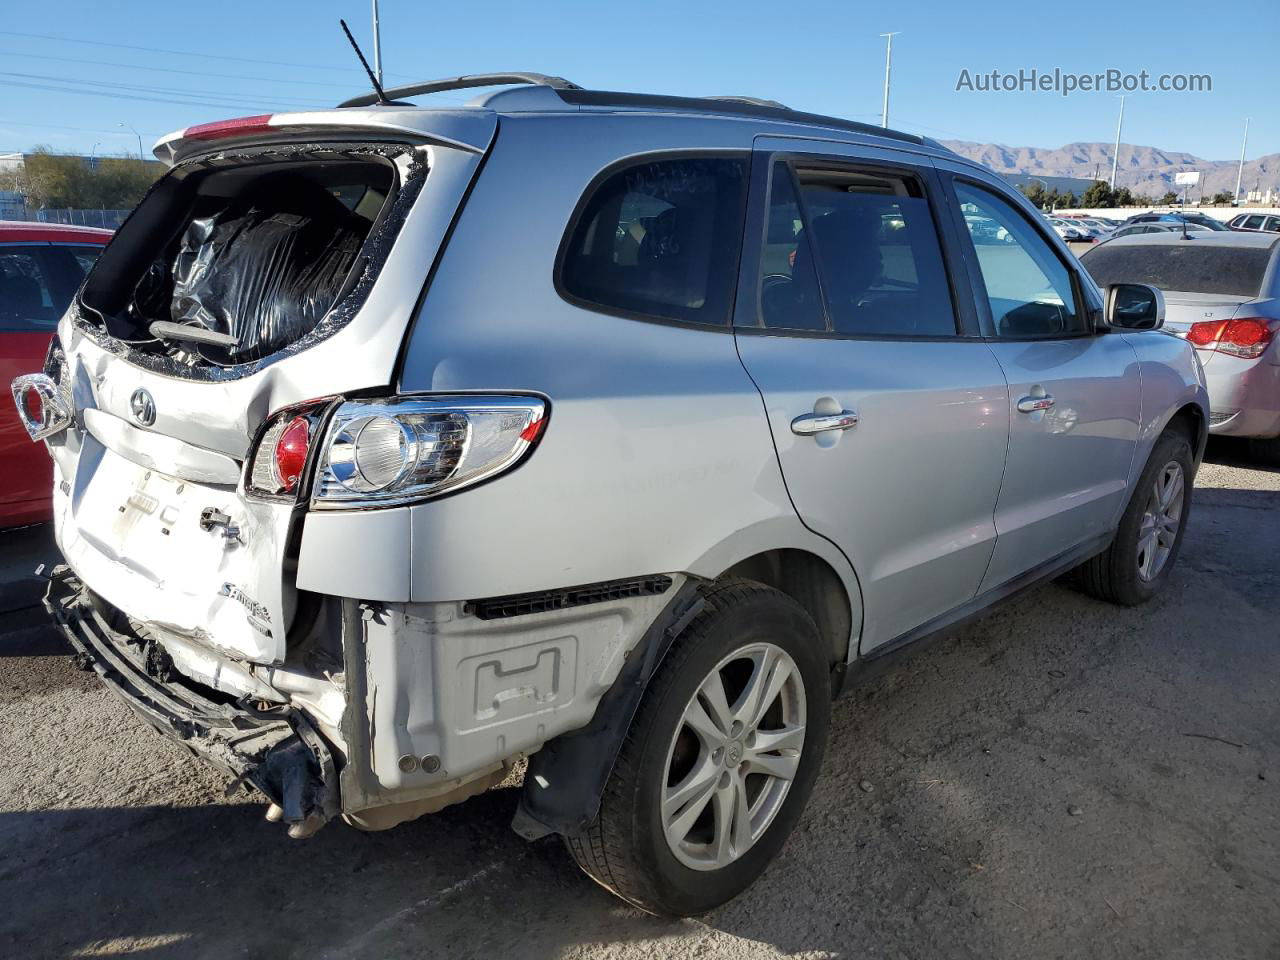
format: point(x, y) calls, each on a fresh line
point(235, 257)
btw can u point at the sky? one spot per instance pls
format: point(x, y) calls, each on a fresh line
point(95, 77)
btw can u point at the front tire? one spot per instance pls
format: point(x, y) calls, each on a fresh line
point(719, 760)
point(1147, 542)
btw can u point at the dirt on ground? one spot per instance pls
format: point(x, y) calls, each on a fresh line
point(1062, 778)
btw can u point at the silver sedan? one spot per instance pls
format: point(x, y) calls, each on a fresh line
point(1222, 294)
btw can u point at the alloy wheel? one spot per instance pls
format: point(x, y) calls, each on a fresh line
point(733, 756)
point(1158, 529)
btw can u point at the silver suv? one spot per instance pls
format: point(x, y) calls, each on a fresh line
point(395, 446)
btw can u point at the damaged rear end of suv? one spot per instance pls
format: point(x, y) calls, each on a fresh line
point(225, 374)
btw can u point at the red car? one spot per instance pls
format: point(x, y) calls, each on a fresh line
point(41, 267)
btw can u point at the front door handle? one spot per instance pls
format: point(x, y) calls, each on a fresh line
point(1032, 404)
point(811, 423)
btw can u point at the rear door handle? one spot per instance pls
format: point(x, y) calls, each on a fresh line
point(811, 423)
point(1032, 404)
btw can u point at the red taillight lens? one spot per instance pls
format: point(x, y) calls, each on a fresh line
point(1245, 337)
point(1205, 333)
point(533, 430)
point(290, 455)
point(228, 128)
point(278, 458)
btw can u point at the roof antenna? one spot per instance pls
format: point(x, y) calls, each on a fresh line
point(377, 87)
point(1184, 229)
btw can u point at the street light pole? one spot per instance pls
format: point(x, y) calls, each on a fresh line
point(1240, 170)
point(1115, 156)
point(377, 45)
point(136, 134)
point(888, 64)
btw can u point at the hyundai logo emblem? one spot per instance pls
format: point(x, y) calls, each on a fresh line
point(143, 407)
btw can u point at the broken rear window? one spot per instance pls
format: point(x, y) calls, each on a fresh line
point(229, 261)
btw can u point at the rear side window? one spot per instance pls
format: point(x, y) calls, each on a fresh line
point(1185, 266)
point(660, 239)
point(863, 244)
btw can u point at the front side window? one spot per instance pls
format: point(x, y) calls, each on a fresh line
point(660, 239)
point(860, 244)
point(1028, 287)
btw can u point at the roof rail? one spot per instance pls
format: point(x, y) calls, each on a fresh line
point(463, 83)
point(745, 106)
point(753, 101)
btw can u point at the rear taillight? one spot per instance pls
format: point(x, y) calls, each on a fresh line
point(40, 405)
point(1246, 337)
point(289, 457)
point(279, 457)
point(404, 449)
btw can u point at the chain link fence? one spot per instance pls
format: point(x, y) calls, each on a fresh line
point(110, 219)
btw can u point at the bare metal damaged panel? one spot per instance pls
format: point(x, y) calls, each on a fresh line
point(447, 695)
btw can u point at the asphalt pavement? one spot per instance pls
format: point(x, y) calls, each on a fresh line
point(1062, 778)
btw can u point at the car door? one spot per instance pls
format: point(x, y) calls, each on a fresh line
point(888, 410)
point(1075, 393)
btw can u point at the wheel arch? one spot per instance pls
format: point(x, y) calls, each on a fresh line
point(813, 583)
point(1191, 419)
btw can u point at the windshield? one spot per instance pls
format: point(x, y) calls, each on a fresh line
point(1185, 267)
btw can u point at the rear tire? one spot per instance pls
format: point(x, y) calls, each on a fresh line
point(693, 813)
point(1137, 564)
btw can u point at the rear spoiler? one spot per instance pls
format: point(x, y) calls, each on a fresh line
point(470, 130)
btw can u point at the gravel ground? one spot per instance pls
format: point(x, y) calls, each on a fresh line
point(1062, 778)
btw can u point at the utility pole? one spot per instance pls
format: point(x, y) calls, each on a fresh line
point(1240, 170)
point(377, 45)
point(1115, 156)
point(888, 63)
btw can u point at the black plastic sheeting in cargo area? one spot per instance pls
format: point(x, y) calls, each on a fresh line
point(264, 270)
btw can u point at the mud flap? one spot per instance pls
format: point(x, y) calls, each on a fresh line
point(566, 778)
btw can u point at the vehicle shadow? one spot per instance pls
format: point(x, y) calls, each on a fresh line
point(1234, 452)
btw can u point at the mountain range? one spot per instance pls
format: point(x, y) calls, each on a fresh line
point(1145, 170)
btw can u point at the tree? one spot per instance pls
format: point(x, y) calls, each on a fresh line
point(1067, 199)
point(1098, 195)
point(48, 179)
point(1223, 197)
point(1169, 199)
point(1034, 191)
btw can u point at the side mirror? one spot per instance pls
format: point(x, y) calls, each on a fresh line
point(1133, 306)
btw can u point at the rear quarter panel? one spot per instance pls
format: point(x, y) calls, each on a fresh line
point(657, 456)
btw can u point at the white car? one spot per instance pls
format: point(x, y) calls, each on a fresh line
point(1068, 230)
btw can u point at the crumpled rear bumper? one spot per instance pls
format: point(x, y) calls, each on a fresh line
point(278, 750)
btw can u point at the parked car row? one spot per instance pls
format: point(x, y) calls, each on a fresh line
point(365, 496)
